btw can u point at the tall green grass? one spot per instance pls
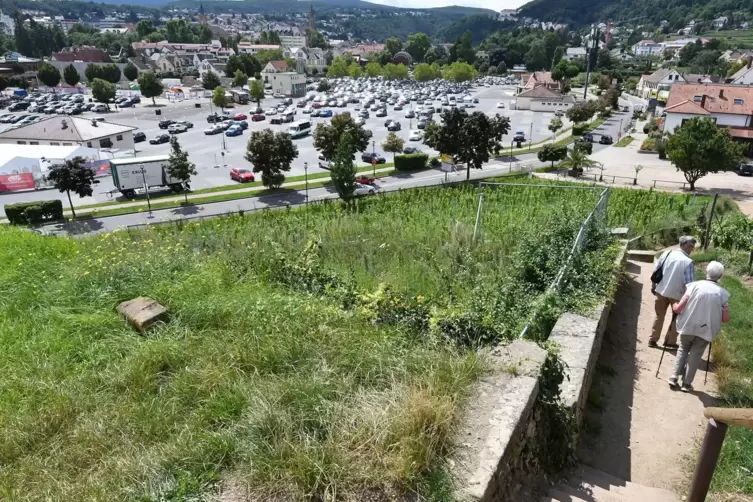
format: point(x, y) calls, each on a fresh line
point(313, 354)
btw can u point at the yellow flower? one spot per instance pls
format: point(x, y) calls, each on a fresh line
point(419, 298)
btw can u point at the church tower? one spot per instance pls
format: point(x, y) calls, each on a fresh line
point(312, 18)
point(202, 15)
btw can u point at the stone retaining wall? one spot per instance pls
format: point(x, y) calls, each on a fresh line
point(500, 421)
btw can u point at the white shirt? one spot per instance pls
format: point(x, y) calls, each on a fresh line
point(678, 271)
point(702, 314)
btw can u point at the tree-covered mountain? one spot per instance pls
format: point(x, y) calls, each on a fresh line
point(676, 12)
point(481, 26)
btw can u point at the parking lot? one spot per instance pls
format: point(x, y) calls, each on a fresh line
point(215, 155)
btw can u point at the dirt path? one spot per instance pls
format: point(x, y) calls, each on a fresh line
point(636, 427)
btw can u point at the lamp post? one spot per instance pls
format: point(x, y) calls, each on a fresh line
point(512, 142)
point(223, 159)
point(530, 137)
point(306, 175)
point(142, 170)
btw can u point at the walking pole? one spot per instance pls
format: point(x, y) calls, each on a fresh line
point(663, 350)
point(708, 362)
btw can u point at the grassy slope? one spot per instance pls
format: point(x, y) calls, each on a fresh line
point(264, 374)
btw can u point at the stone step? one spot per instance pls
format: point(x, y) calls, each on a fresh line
point(564, 493)
point(590, 492)
point(641, 255)
point(594, 485)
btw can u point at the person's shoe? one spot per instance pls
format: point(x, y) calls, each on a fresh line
point(652, 344)
point(672, 382)
point(686, 388)
point(671, 346)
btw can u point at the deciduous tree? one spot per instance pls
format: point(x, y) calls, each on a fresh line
point(239, 79)
point(552, 153)
point(103, 91)
point(218, 97)
point(393, 144)
point(393, 45)
point(373, 69)
point(256, 90)
point(130, 71)
point(179, 167)
point(417, 45)
point(555, 125)
point(343, 169)
point(699, 147)
point(151, 86)
point(70, 75)
point(582, 112)
point(327, 135)
point(72, 176)
point(271, 155)
point(210, 81)
point(48, 75)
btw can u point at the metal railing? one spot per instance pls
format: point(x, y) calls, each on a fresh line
point(598, 213)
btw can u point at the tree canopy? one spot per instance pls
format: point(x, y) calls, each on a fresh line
point(72, 176)
point(327, 135)
point(150, 85)
point(271, 154)
point(48, 75)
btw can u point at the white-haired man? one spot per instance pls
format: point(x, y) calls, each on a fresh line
point(700, 314)
point(678, 271)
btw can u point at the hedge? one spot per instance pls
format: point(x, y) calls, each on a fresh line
point(411, 161)
point(30, 213)
point(580, 129)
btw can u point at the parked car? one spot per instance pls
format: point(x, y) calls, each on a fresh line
point(394, 126)
point(19, 106)
point(234, 131)
point(186, 123)
point(381, 113)
point(410, 114)
point(744, 170)
point(415, 136)
point(165, 123)
point(99, 108)
point(215, 129)
point(558, 113)
point(500, 105)
point(215, 117)
point(411, 149)
point(365, 180)
point(605, 139)
point(177, 128)
point(519, 136)
point(371, 156)
point(325, 113)
point(240, 116)
point(588, 137)
point(138, 137)
point(241, 123)
point(258, 117)
point(159, 139)
point(241, 174)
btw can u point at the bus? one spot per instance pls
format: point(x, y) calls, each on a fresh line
point(300, 129)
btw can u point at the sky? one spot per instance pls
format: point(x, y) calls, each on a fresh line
point(495, 5)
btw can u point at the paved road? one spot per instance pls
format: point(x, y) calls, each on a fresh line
point(399, 181)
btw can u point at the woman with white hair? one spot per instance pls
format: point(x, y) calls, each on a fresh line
point(700, 314)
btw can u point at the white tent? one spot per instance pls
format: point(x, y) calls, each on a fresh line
point(36, 159)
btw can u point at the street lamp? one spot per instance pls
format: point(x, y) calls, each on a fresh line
point(512, 142)
point(530, 137)
point(142, 170)
point(223, 159)
point(306, 174)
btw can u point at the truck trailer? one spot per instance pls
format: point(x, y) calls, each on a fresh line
point(131, 174)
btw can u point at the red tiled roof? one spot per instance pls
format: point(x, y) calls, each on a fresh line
point(86, 55)
point(719, 98)
point(741, 132)
point(279, 65)
point(687, 107)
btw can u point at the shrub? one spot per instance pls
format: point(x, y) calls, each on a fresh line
point(38, 212)
point(411, 161)
point(584, 145)
point(435, 162)
point(579, 129)
point(649, 144)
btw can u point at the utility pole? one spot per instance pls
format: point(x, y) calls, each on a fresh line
point(593, 42)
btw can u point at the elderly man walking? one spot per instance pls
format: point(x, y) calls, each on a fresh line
point(701, 312)
point(676, 269)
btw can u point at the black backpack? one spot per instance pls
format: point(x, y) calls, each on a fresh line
point(658, 274)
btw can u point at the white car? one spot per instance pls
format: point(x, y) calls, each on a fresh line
point(415, 135)
point(360, 121)
point(364, 190)
point(177, 128)
point(272, 111)
point(500, 105)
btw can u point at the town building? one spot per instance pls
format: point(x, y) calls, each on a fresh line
point(293, 41)
point(81, 53)
point(743, 76)
point(728, 105)
point(249, 48)
point(7, 25)
point(69, 131)
point(575, 53)
point(287, 83)
point(646, 48)
point(538, 79)
point(658, 84)
point(15, 65)
point(307, 59)
point(543, 99)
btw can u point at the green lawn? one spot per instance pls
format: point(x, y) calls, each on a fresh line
point(624, 141)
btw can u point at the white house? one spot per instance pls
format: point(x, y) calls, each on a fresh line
point(658, 83)
point(575, 53)
point(647, 48)
point(292, 41)
point(543, 99)
point(728, 105)
point(288, 83)
point(249, 48)
point(69, 131)
point(743, 76)
point(719, 22)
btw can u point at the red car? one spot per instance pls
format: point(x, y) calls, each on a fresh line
point(316, 105)
point(257, 118)
point(365, 180)
point(241, 174)
point(240, 116)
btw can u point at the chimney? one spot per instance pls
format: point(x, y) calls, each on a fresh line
point(721, 93)
point(703, 101)
point(750, 60)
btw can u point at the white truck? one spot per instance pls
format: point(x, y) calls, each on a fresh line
point(138, 173)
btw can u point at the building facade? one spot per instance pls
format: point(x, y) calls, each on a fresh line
point(69, 131)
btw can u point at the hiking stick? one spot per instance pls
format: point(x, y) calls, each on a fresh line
point(663, 350)
point(708, 362)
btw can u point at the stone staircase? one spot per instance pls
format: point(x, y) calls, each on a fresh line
point(591, 485)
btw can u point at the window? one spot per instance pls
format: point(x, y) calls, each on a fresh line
point(697, 99)
point(33, 142)
point(53, 143)
point(21, 142)
point(738, 101)
point(66, 144)
point(119, 137)
point(105, 143)
point(89, 144)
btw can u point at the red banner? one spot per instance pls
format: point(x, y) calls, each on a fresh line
point(13, 182)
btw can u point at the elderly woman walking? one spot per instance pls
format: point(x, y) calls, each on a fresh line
point(700, 314)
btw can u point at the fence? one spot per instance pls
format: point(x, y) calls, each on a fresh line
point(599, 213)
